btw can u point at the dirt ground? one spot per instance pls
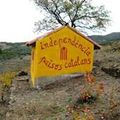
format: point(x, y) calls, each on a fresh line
point(51, 101)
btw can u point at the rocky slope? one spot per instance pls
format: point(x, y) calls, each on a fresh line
point(108, 59)
point(50, 102)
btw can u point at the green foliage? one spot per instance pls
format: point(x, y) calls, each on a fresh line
point(5, 82)
point(6, 78)
point(79, 14)
point(104, 39)
point(89, 100)
point(17, 50)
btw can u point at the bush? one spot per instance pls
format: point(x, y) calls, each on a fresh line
point(16, 51)
point(5, 83)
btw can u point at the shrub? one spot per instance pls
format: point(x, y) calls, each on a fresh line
point(5, 82)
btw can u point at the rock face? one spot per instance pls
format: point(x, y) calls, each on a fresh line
point(108, 59)
point(115, 72)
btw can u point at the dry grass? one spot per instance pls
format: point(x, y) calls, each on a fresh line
point(61, 99)
point(58, 102)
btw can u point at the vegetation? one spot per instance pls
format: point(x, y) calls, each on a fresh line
point(93, 93)
point(80, 14)
point(105, 39)
point(0, 51)
point(5, 82)
point(6, 78)
point(88, 95)
point(16, 50)
point(93, 98)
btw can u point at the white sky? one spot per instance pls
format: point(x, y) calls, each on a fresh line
point(17, 19)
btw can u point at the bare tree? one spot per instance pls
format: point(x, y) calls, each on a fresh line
point(80, 14)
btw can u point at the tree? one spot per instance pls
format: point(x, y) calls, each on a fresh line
point(80, 14)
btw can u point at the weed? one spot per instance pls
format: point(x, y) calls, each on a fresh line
point(5, 83)
point(89, 94)
point(86, 100)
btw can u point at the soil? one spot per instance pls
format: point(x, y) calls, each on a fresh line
point(50, 102)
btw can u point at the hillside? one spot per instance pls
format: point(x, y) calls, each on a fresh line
point(62, 98)
point(56, 99)
point(19, 50)
point(14, 56)
point(104, 39)
point(13, 50)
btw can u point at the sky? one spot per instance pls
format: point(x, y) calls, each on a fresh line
point(17, 19)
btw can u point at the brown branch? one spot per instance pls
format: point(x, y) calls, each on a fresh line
point(76, 13)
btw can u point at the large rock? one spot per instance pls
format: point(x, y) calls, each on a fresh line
point(115, 72)
point(22, 73)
